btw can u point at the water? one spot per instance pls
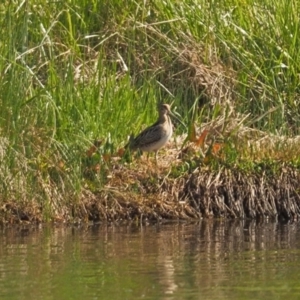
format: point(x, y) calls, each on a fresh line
point(207, 260)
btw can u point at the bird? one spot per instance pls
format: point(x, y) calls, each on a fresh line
point(155, 136)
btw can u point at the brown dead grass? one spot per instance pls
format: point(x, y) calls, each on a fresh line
point(143, 191)
point(146, 193)
point(185, 184)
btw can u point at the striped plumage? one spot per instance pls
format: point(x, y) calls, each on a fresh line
point(157, 135)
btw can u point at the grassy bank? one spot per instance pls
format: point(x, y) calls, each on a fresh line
point(78, 71)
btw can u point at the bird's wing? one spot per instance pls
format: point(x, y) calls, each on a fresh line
point(148, 136)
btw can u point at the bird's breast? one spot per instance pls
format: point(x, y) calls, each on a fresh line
point(162, 140)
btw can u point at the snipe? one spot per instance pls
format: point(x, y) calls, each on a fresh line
point(155, 136)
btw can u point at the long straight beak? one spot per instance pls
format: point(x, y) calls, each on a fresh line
point(177, 118)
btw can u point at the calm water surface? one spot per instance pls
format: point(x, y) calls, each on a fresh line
point(207, 260)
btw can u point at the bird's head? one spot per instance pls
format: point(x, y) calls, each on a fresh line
point(164, 109)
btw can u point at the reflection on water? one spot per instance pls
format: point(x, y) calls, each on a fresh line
point(207, 260)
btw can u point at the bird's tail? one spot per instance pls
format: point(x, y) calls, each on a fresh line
point(130, 144)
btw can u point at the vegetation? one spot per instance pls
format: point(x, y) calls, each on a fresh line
point(78, 77)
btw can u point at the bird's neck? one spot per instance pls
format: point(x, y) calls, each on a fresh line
point(163, 118)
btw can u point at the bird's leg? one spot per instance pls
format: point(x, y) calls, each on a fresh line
point(148, 154)
point(156, 157)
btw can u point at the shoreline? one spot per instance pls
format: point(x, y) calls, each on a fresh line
point(141, 192)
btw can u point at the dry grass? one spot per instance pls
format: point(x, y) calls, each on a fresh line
point(89, 87)
point(191, 180)
point(144, 192)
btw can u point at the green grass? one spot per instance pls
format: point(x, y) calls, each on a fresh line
point(76, 71)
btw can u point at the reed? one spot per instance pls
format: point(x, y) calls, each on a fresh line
point(77, 72)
